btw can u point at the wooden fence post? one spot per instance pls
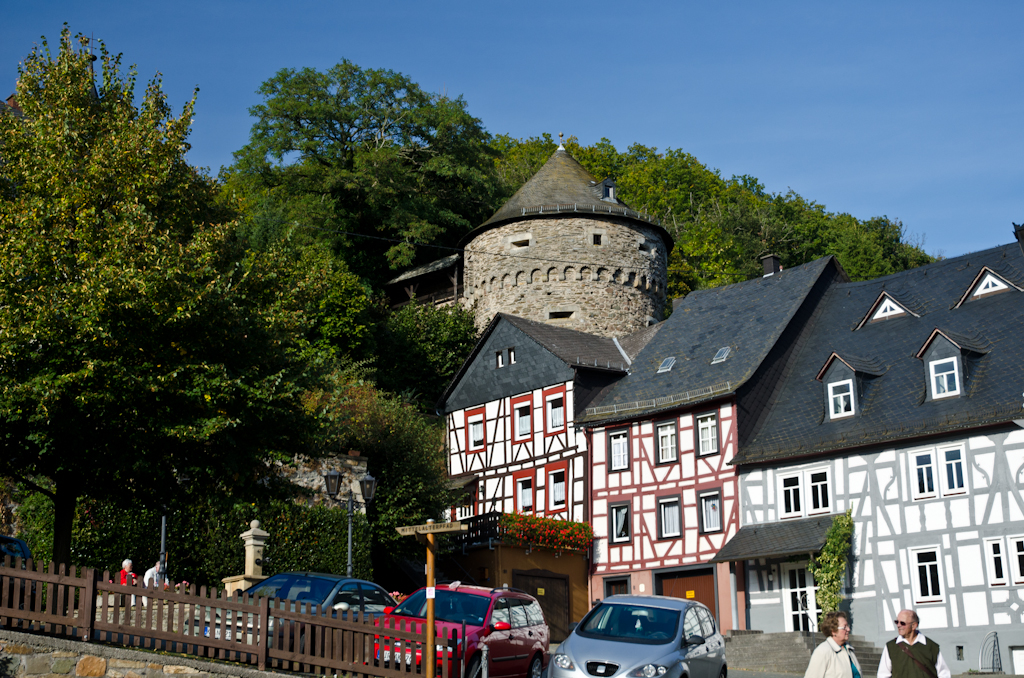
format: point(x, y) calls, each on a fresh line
point(87, 605)
point(263, 639)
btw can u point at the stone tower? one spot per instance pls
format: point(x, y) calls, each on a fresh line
point(565, 250)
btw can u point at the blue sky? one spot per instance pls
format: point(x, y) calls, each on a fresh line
point(912, 110)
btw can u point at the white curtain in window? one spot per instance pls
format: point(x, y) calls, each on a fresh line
point(523, 421)
point(670, 518)
point(558, 488)
point(619, 515)
point(557, 413)
point(526, 494)
point(712, 513)
point(476, 433)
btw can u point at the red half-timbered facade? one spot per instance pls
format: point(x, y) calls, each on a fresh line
point(664, 501)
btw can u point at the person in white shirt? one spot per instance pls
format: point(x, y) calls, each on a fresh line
point(152, 578)
point(911, 655)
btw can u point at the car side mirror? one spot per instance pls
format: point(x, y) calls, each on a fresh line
point(342, 607)
point(501, 626)
point(695, 640)
point(389, 609)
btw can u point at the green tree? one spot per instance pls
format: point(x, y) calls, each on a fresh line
point(365, 152)
point(424, 345)
point(142, 349)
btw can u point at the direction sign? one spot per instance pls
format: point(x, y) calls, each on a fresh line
point(432, 528)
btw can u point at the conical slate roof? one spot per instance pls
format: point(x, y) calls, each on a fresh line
point(561, 186)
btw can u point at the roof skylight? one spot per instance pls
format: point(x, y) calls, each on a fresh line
point(666, 364)
point(722, 354)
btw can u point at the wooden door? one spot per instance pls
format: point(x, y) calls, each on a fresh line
point(696, 585)
point(552, 592)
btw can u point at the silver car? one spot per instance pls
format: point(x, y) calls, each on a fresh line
point(643, 637)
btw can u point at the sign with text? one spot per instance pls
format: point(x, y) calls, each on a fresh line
point(431, 528)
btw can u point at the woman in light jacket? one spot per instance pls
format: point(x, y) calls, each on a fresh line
point(834, 658)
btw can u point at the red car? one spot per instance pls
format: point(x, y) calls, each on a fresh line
point(508, 621)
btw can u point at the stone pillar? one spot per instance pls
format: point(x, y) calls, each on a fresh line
point(254, 539)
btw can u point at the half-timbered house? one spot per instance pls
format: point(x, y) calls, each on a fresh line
point(513, 443)
point(664, 495)
point(903, 405)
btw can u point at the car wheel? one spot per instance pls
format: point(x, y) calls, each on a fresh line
point(536, 668)
point(473, 670)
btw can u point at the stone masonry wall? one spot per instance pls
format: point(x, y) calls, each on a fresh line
point(24, 655)
point(555, 273)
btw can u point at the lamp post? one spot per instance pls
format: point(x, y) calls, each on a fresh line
point(368, 485)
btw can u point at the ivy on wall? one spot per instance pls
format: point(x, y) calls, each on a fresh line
point(829, 566)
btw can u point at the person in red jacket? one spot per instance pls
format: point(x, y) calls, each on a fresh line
point(127, 576)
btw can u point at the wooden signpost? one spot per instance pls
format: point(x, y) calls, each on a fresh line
point(426, 533)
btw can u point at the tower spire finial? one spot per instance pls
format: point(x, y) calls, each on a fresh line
point(560, 146)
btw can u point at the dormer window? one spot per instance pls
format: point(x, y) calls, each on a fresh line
point(608, 190)
point(887, 309)
point(991, 283)
point(945, 378)
point(840, 395)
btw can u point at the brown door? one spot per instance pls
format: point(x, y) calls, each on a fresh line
point(694, 585)
point(552, 592)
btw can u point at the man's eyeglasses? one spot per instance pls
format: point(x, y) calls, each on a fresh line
point(897, 622)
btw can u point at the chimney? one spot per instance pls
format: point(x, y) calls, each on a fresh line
point(771, 264)
point(1018, 232)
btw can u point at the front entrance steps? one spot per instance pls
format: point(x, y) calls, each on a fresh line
point(789, 652)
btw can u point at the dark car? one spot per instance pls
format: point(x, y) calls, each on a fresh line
point(509, 621)
point(643, 637)
point(16, 548)
point(328, 590)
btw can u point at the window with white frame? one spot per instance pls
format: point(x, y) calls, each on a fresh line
point(475, 431)
point(619, 517)
point(499, 359)
point(887, 309)
point(667, 450)
point(707, 434)
point(556, 412)
point(618, 442)
point(669, 517)
point(840, 397)
point(988, 285)
point(807, 492)
point(952, 460)
point(556, 490)
point(922, 475)
point(524, 493)
point(512, 356)
point(996, 562)
point(791, 496)
point(818, 501)
point(927, 579)
point(945, 375)
point(1016, 556)
point(523, 420)
point(711, 511)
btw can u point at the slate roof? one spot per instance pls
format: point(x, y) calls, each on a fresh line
point(576, 349)
point(749, 317)
point(776, 540)
point(439, 265)
point(893, 405)
point(562, 185)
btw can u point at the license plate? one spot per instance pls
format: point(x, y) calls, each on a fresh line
point(408, 656)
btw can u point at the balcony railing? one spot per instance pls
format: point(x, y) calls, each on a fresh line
point(482, 529)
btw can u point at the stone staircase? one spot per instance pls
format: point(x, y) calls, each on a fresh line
point(788, 652)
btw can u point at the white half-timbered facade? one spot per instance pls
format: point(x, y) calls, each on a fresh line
point(904, 407)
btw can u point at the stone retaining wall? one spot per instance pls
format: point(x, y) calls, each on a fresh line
point(28, 655)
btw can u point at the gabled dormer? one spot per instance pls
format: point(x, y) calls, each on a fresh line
point(607, 190)
point(986, 283)
point(949, 360)
point(845, 380)
point(886, 307)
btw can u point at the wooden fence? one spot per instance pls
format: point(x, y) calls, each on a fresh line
point(267, 632)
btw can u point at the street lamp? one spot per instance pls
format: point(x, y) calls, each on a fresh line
point(368, 485)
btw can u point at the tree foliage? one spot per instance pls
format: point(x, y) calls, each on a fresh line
point(143, 348)
point(364, 152)
point(829, 567)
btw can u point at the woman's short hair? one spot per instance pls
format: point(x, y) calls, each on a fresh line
point(125, 563)
point(830, 622)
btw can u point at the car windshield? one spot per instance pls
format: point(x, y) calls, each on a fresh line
point(294, 587)
point(449, 606)
point(631, 623)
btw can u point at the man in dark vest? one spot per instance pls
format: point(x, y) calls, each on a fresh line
point(911, 655)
